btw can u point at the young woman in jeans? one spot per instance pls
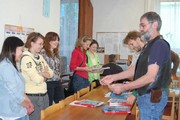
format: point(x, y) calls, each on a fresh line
point(78, 63)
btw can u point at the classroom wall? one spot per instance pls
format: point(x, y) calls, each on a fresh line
point(117, 16)
point(109, 16)
point(29, 13)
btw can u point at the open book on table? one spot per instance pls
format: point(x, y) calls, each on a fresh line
point(87, 103)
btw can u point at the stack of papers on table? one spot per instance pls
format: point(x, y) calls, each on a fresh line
point(124, 95)
point(116, 109)
point(118, 102)
point(86, 103)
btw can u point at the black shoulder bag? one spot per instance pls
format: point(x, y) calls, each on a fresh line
point(70, 89)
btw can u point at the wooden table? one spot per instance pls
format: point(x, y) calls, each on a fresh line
point(83, 113)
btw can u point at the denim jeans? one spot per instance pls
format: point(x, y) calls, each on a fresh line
point(79, 83)
point(149, 110)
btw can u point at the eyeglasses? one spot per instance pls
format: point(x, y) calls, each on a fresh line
point(144, 25)
point(41, 44)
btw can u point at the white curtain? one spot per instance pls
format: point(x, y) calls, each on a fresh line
point(69, 10)
point(152, 5)
point(170, 13)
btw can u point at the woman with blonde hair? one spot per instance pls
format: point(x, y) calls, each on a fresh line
point(78, 63)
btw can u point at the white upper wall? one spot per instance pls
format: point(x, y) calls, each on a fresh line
point(116, 15)
point(29, 13)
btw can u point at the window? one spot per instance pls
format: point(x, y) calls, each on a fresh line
point(170, 14)
point(68, 27)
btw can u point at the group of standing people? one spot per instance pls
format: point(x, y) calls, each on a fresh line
point(34, 84)
point(30, 73)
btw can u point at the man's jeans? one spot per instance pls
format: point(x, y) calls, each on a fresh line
point(149, 110)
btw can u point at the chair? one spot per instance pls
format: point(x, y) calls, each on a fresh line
point(65, 74)
point(70, 98)
point(93, 85)
point(65, 79)
point(106, 58)
point(82, 92)
point(130, 58)
point(51, 109)
point(131, 117)
point(63, 66)
point(61, 104)
point(169, 109)
point(174, 77)
point(137, 113)
point(134, 111)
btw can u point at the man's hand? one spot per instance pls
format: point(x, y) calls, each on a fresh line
point(131, 98)
point(107, 80)
point(117, 88)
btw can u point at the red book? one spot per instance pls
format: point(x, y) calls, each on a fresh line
point(87, 103)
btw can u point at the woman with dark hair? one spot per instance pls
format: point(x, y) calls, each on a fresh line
point(51, 55)
point(15, 104)
point(93, 61)
point(36, 71)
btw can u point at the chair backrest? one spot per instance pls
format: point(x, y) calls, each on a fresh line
point(70, 99)
point(169, 108)
point(82, 92)
point(61, 104)
point(175, 81)
point(93, 85)
point(136, 112)
point(65, 79)
point(174, 77)
point(51, 109)
point(106, 58)
point(63, 66)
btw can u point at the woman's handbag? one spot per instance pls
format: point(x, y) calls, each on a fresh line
point(70, 89)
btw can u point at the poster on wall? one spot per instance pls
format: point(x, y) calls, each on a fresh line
point(112, 42)
point(18, 31)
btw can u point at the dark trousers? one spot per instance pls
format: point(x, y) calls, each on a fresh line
point(55, 91)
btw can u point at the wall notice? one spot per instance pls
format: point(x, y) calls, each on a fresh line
point(18, 31)
point(112, 42)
